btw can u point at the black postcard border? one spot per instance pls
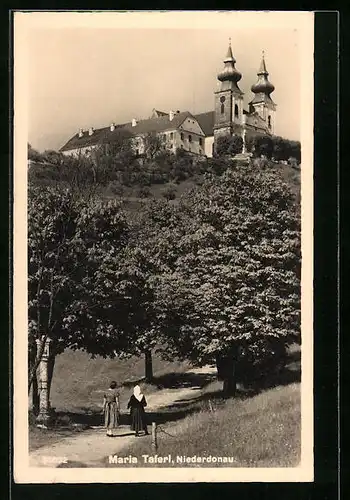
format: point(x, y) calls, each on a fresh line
point(326, 270)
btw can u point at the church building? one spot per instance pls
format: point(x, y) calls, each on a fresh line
point(198, 133)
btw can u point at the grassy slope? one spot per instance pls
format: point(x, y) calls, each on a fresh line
point(288, 174)
point(262, 431)
point(79, 381)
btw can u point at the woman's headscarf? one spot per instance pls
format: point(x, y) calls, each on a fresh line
point(137, 393)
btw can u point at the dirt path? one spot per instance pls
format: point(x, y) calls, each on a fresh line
point(91, 446)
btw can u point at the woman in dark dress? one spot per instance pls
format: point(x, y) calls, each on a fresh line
point(137, 404)
point(111, 408)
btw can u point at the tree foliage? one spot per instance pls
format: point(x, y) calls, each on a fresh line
point(234, 271)
point(82, 284)
point(274, 147)
point(229, 145)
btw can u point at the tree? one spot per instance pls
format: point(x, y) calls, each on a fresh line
point(263, 145)
point(152, 249)
point(229, 145)
point(235, 278)
point(169, 192)
point(33, 154)
point(83, 292)
point(222, 145)
point(236, 144)
point(153, 147)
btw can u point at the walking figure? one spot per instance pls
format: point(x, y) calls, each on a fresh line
point(137, 403)
point(111, 408)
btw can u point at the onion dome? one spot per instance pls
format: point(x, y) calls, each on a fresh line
point(229, 73)
point(263, 86)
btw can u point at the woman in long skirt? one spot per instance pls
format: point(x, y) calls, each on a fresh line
point(137, 404)
point(111, 408)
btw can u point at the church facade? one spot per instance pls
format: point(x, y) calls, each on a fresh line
point(198, 133)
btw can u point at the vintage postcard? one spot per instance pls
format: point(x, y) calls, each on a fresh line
point(163, 246)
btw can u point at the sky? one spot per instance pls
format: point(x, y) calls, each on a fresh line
point(91, 74)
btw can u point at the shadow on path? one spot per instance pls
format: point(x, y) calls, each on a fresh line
point(177, 380)
point(180, 408)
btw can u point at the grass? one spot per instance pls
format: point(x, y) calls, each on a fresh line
point(78, 386)
point(79, 381)
point(258, 431)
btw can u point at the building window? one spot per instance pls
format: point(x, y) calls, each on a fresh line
point(171, 135)
point(190, 138)
point(236, 110)
point(269, 121)
point(200, 141)
point(222, 108)
point(182, 136)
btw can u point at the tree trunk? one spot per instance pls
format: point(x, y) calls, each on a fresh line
point(230, 383)
point(50, 368)
point(148, 366)
point(37, 360)
point(35, 395)
point(226, 367)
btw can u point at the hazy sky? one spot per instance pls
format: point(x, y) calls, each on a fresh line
point(84, 75)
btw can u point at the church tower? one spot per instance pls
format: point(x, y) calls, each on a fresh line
point(228, 99)
point(262, 102)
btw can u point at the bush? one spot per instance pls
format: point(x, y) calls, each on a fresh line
point(292, 161)
point(229, 145)
point(144, 192)
point(263, 146)
point(236, 145)
point(260, 163)
point(116, 188)
point(169, 192)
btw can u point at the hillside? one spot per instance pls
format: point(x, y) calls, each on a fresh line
point(261, 431)
point(88, 378)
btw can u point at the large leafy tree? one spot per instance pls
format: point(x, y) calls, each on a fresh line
point(83, 288)
point(235, 277)
point(152, 250)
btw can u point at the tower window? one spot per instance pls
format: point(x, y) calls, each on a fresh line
point(269, 121)
point(190, 138)
point(171, 135)
point(182, 136)
point(222, 108)
point(236, 110)
point(200, 141)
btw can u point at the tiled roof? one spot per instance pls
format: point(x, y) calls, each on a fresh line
point(158, 124)
point(206, 121)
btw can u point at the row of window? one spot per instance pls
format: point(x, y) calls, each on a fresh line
point(200, 151)
point(171, 137)
point(190, 138)
point(223, 109)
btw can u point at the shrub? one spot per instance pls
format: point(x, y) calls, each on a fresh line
point(263, 146)
point(236, 145)
point(144, 192)
point(292, 161)
point(116, 188)
point(229, 145)
point(169, 192)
